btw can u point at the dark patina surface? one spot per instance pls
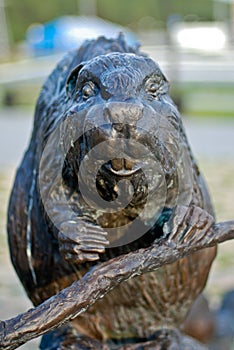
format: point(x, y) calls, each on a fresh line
point(116, 92)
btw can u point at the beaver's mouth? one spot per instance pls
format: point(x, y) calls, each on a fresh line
point(122, 167)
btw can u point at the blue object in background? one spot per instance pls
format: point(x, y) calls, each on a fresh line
point(68, 32)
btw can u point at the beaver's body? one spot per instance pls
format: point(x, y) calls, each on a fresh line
point(118, 87)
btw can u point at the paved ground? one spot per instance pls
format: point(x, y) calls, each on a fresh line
point(15, 128)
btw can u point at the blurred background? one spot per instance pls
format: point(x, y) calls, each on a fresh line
point(193, 41)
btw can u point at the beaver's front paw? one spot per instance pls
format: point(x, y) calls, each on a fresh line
point(81, 241)
point(188, 225)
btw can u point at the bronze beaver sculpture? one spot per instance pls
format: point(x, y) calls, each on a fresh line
point(107, 131)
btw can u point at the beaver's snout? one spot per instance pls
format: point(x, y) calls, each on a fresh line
point(121, 113)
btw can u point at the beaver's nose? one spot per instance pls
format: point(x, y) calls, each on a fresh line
point(120, 114)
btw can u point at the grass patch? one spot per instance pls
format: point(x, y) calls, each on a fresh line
point(215, 114)
point(20, 95)
point(205, 100)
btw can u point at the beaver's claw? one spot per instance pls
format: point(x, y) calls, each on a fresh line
point(81, 241)
point(188, 225)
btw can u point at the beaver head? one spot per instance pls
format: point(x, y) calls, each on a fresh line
point(126, 96)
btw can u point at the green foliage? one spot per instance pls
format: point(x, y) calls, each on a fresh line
point(21, 14)
point(126, 12)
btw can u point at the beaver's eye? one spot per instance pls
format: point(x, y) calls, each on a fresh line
point(152, 87)
point(88, 90)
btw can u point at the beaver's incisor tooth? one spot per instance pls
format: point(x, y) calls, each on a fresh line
point(117, 164)
point(128, 164)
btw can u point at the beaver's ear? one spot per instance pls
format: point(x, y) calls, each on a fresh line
point(165, 79)
point(166, 83)
point(72, 79)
